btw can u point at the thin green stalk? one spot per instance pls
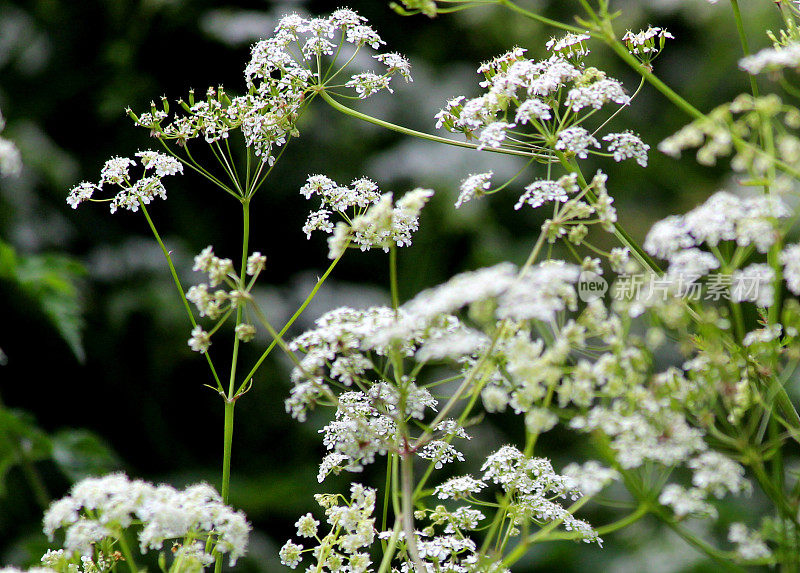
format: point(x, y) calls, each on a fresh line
point(407, 485)
point(400, 129)
point(388, 552)
point(737, 16)
point(227, 441)
point(393, 276)
point(178, 285)
point(126, 552)
point(640, 512)
point(534, 16)
point(294, 317)
point(522, 547)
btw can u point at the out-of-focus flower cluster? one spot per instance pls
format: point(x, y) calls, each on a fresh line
point(99, 511)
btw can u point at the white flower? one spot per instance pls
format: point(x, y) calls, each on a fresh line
point(749, 544)
point(790, 259)
point(459, 487)
point(163, 164)
point(686, 502)
point(115, 170)
point(753, 284)
point(543, 191)
point(772, 59)
point(718, 474)
point(307, 526)
point(576, 140)
point(200, 340)
point(255, 263)
point(473, 186)
point(10, 159)
point(367, 83)
point(395, 62)
point(627, 145)
point(290, 554)
point(570, 45)
point(597, 94)
point(591, 477)
point(493, 134)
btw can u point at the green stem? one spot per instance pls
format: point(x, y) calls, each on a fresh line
point(227, 449)
point(404, 130)
point(737, 15)
point(407, 485)
point(522, 547)
point(126, 552)
point(534, 16)
point(388, 552)
point(393, 276)
point(178, 285)
point(294, 317)
point(640, 512)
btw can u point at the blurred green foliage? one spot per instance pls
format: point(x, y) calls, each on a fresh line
point(67, 71)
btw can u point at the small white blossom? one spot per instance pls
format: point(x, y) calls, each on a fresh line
point(627, 145)
point(790, 259)
point(576, 140)
point(473, 186)
point(772, 59)
point(200, 340)
point(543, 191)
point(749, 544)
point(307, 526)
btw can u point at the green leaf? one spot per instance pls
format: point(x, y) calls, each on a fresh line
point(80, 453)
point(20, 439)
point(50, 280)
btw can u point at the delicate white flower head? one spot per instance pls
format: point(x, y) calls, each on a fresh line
point(627, 145)
point(718, 474)
point(474, 186)
point(569, 46)
point(162, 164)
point(577, 141)
point(790, 259)
point(98, 508)
point(367, 84)
point(395, 62)
point(531, 109)
point(591, 477)
point(132, 193)
point(686, 502)
point(749, 544)
point(723, 217)
point(542, 191)
point(494, 134)
point(753, 284)
point(10, 159)
point(772, 59)
point(597, 94)
point(382, 225)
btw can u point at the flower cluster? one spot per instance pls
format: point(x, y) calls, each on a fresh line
point(384, 224)
point(10, 161)
point(99, 509)
point(733, 128)
point(551, 96)
point(352, 532)
point(132, 192)
point(533, 489)
point(218, 305)
point(646, 45)
point(282, 72)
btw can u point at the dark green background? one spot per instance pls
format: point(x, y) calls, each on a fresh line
point(68, 70)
